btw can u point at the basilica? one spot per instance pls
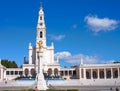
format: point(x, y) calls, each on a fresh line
point(52, 68)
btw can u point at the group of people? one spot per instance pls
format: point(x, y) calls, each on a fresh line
point(115, 89)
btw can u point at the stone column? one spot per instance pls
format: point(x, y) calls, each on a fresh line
point(13, 72)
point(4, 75)
point(98, 76)
point(111, 73)
point(80, 73)
point(104, 73)
point(58, 72)
point(84, 71)
point(72, 72)
point(0, 74)
point(118, 72)
point(68, 72)
point(0, 61)
point(53, 74)
point(91, 73)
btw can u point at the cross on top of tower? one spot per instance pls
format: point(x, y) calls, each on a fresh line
point(41, 6)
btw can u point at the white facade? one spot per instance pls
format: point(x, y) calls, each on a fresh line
point(2, 72)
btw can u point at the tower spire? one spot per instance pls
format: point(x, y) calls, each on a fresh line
point(41, 29)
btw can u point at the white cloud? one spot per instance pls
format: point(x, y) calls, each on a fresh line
point(100, 24)
point(57, 37)
point(63, 55)
point(75, 59)
point(106, 62)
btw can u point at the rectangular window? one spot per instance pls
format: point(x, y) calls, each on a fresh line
point(11, 72)
point(16, 72)
point(7, 72)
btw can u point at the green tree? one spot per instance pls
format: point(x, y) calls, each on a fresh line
point(9, 64)
point(116, 62)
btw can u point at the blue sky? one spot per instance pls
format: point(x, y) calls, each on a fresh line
point(87, 29)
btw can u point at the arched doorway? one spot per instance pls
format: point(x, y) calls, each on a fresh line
point(26, 72)
point(33, 73)
point(49, 72)
point(49, 76)
point(55, 72)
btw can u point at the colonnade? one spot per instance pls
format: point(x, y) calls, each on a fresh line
point(14, 72)
point(99, 73)
point(50, 72)
point(68, 72)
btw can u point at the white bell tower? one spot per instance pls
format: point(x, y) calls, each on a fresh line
point(41, 29)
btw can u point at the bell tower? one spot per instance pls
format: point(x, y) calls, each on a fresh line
point(41, 29)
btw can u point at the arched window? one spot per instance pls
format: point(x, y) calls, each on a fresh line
point(94, 74)
point(108, 74)
point(101, 74)
point(41, 34)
